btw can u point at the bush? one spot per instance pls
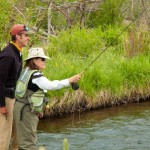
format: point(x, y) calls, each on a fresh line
point(109, 14)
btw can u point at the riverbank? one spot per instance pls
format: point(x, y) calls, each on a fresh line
point(77, 101)
point(119, 76)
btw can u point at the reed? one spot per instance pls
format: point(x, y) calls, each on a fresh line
point(66, 145)
point(42, 148)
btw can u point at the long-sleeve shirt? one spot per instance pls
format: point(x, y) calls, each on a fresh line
point(10, 68)
point(43, 83)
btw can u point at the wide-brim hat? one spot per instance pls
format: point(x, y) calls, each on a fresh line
point(36, 52)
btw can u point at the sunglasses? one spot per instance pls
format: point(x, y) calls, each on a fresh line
point(43, 59)
point(25, 28)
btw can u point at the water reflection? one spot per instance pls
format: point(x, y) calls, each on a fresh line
point(117, 128)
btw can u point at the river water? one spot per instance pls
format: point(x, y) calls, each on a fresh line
point(125, 127)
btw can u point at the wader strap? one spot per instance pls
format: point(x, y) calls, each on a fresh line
point(21, 111)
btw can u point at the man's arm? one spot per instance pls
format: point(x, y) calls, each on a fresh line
point(5, 65)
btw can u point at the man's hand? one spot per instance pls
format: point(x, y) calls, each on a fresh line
point(3, 110)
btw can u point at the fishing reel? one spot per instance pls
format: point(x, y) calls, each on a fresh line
point(75, 86)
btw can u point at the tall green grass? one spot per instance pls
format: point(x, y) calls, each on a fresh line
point(72, 51)
point(77, 41)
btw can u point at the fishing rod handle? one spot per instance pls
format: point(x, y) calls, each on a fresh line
point(75, 86)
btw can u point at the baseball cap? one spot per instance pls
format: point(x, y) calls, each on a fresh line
point(19, 28)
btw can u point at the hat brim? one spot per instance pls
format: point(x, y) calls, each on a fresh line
point(27, 32)
point(46, 57)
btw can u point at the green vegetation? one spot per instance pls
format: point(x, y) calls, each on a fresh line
point(114, 68)
point(66, 145)
point(4, 22)
point(113, 78)
point(109, 14)
point(119, 75)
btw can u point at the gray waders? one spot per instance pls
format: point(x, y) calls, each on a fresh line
point(26, 124)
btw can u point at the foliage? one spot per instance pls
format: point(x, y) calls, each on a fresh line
point(137, 42)
point(4, 22)
point(84, 42)
point(109, 14)
point(80, 42)
point(66, 145)
point(112, 71)
point(72, 50)
point(113, 35)
point(34, 13)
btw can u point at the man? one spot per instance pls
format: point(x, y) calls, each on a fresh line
point(10, 68)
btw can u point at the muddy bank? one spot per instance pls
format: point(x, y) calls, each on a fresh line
point(78, 101)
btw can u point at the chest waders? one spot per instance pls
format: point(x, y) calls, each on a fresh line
point(23, 95)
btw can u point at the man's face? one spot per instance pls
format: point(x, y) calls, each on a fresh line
point(22, 39)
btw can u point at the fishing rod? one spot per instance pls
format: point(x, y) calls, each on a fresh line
point(75, 86)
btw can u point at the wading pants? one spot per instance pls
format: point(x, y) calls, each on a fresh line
point(6, 124)
point(26, 126)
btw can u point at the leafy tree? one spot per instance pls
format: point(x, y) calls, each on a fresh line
point(4, 22)
point(109, 14)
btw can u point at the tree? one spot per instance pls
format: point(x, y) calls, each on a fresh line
point(5, 14)
point(109, 14)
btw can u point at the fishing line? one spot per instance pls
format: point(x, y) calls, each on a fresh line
point(75, 86)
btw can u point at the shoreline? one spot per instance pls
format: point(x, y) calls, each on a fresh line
point(78, 101)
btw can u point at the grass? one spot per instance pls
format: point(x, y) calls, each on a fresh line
point(115, 77)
